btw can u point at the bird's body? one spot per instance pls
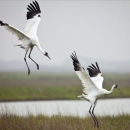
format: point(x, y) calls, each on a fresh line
point(92, 81)
point(28, 36)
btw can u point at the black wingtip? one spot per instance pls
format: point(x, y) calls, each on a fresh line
point(33, 9)
point(37, 5)
point(93, 70)
point(77, 66)
point(98, 67)
point(2, 23)
point(73, 56)
point(34, 6)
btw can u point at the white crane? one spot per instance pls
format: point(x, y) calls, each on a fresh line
point(92, 81)
point(28, 36)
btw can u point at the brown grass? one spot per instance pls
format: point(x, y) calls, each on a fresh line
point(58, 122)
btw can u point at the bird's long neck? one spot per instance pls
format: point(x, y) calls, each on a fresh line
point(108, 92)
point(39, 47)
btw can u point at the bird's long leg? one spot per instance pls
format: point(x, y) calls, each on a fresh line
point(92, 115)
point(26, 62)
point(32, 59)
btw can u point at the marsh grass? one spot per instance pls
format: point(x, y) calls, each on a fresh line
point(58, 122)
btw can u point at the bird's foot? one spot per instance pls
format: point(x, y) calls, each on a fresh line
point(37, 66)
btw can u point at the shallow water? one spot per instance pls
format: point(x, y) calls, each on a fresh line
point(68, 107)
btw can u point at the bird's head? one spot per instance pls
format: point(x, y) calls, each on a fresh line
point(46, 54)
point(116, 86)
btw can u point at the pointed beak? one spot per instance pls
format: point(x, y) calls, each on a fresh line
point(117, 87)
point(48, 57)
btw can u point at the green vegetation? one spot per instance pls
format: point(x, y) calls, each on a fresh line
point(43, 93)
point(39, 86)
point(58, 122)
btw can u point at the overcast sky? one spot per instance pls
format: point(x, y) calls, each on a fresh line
point(97, 30)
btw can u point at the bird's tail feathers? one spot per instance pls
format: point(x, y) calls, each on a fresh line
point(19, 44)
point(83, 96)
point(80, 96)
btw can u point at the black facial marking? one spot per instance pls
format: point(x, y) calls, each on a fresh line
point(46, 54)
point(116, 86)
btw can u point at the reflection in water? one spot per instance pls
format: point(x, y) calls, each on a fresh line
point(73, 107)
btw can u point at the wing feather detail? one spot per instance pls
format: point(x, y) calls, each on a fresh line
point(29, 9)
point(33, 9)
point(21, 35)
point(96, 75)
point(93, 70)
point(33, 18)
point(87, 83)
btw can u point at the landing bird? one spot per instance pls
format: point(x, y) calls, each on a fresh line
point(28, 36)
point(92, 81)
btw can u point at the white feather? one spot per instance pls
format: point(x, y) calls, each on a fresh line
point(32, 25)
point(88, 84)
point(98, 80)
point(21, 35)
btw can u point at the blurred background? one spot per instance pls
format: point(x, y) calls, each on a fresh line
point(97, 30)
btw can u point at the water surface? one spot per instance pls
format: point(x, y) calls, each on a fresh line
point(68, 107)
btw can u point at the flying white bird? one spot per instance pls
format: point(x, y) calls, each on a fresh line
point(28, 36)
point(92, 81)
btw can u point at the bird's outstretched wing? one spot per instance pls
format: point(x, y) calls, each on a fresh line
point(21, 35)
point(96, 75)
point(87, 83)
point(33, 18)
